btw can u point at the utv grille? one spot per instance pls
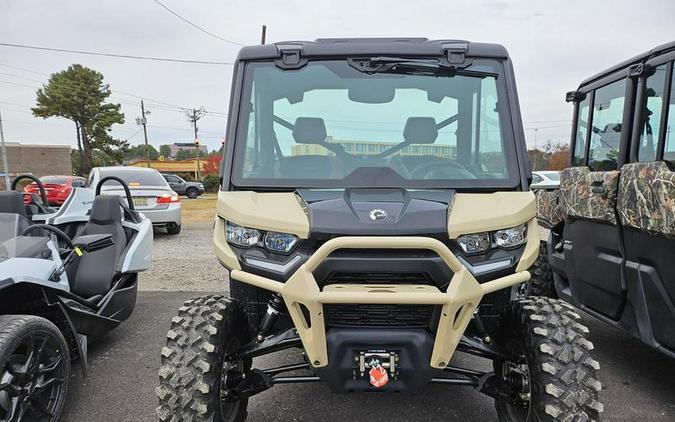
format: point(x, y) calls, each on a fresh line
point(408, 316)
point(378, 278)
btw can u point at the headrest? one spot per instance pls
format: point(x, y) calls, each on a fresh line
point(420, 130)
point(12, 202)
point(309, 130)
point(106, 209)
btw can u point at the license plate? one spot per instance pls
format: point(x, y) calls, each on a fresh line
point(140, 201)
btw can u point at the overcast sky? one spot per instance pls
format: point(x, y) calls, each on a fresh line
point(554, 45)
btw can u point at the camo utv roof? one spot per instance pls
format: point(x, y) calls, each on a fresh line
point(656, 51)
point(326, 47)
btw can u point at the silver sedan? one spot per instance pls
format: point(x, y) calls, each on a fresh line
point(150, 193)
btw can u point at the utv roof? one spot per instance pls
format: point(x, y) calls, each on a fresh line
point(326, 47)
point(656, 51)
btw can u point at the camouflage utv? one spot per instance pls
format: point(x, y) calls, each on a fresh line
point(375, 214)
point(611, 246)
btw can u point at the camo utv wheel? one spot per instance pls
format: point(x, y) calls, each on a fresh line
point(193, 377)
point(554, 377)
point(541, 282)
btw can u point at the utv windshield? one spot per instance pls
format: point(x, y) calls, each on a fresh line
point(336, 124)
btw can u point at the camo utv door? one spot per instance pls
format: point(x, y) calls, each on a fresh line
point(646, 209)
point(591, 253)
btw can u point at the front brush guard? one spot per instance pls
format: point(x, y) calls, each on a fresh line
point(458, 303)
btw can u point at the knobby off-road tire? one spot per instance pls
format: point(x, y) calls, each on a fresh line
point(563, 384)
point(34, 368)
point(205, 330)
point(541, 282)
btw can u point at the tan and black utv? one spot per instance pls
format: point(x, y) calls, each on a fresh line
point(611, 249)
point(375, 213)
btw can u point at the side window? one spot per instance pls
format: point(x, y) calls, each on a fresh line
point(669, 150)
point(606, 126)
point(582, 129)
point(536, 179)
point(652, 115)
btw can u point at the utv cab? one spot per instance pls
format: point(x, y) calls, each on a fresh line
point(375, 213)
point(612, 222)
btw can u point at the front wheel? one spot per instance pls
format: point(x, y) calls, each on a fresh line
point(34, 369)
point(552, 376)
point(173, 229)
point(195, 368)
point(192, 193)
point(541, 281)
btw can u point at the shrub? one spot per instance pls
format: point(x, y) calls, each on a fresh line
point(211, 183)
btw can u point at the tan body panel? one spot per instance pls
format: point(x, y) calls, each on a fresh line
point(273, 211)
point(481, 212)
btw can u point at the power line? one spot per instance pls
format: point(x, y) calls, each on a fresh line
point(118, 56)
point(197, 26)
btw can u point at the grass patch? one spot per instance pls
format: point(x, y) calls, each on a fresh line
point(201, 209)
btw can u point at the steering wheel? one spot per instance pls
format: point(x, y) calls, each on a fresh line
point(61, 235)
point(43, 193)
point(440, 170)
point(127, 192)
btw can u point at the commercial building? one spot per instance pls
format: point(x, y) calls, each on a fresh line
point(36, 159)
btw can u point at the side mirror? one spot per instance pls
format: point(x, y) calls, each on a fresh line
point(93, 242)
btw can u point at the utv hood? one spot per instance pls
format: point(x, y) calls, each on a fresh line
point(394, 212)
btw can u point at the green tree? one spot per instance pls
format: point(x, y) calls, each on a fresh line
point(138, 153)
point(79, 94)
point(186, 154)
point(165, 150)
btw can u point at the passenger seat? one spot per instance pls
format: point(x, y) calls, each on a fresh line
point(94, 274)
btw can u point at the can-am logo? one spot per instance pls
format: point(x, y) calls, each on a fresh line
point(377, 214)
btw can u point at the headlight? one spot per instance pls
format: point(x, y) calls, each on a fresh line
point(242, 236)
point(280, 242)
point(272, 241)
point(509, 238)
point(475, 243)
point(482, 242)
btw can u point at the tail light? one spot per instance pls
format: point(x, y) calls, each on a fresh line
point(168, 199)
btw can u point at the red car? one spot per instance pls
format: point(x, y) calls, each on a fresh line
point(57, 187)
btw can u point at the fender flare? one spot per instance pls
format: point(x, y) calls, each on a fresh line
point(52, 303)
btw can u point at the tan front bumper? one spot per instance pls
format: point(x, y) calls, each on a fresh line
point(459, 302)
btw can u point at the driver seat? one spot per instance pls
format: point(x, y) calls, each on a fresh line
point(94, 274)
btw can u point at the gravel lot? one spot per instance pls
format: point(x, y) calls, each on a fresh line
point(185, 262)
point(638, 383)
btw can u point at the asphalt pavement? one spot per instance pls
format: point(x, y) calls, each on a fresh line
point(638, 382)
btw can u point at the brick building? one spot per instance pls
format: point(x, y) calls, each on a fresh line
point(38, 160)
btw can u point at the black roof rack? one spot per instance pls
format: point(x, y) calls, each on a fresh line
point(327, 47)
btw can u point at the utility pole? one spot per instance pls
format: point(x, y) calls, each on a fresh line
point(143, 121)
point(4, 155)
point(534, 156)
point(193, 115)
point(264, 33)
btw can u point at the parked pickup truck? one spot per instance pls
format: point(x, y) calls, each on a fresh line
point(182, 187)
